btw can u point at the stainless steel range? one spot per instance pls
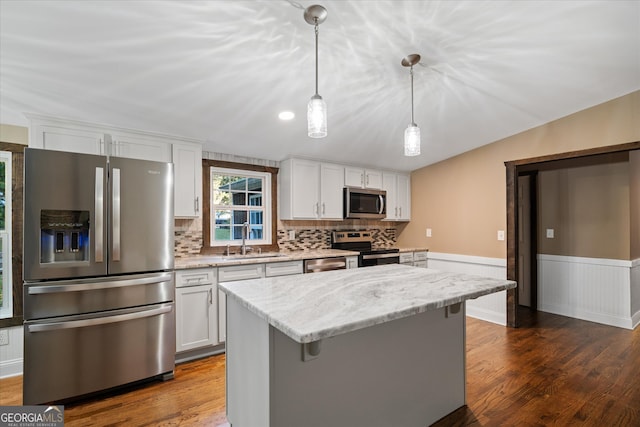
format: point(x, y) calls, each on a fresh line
point(98, 270)
point(361, 241)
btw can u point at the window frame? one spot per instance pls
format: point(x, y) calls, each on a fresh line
point(272, 205)
point(264, 207)
point(17, 196)
point(6, 310)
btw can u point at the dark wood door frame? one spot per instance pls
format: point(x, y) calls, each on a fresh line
point(516, 168)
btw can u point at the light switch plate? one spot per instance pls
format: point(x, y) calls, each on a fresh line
point(292, 234)
point(4, 337)
point(500, 234)
point(428, 232)
point(550, 233)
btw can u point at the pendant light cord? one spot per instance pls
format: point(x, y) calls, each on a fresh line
point(413, 123)
point(316, 27)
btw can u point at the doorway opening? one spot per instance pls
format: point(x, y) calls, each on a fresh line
point(522, 229)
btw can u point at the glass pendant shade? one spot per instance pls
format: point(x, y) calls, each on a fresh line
point(412, 140)
point(317, 117)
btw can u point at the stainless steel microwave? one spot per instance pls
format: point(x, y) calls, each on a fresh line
point(364, 203)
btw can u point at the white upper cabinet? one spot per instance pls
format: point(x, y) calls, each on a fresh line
point(133, 146)
point(62, 137)
point(363, 178)
point(398, 188)
point(187, 169)
point(81, 137)
point(310, 190)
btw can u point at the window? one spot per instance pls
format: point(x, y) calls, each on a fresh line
point(6, 306)
point(239, 206)
point(236, 194)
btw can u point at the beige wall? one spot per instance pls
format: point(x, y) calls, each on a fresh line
point(634, 201)
point(14, 134)
point(588, 209)
point(463, 199)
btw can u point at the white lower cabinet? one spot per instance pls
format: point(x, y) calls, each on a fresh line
point(352, 262)
point(406, 258)
point(196, 307)
point(420, 259)
point(231, 274)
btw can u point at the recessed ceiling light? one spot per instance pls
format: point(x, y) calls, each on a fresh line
point(286, 115)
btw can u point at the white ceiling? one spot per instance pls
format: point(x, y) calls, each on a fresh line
point(221, 71)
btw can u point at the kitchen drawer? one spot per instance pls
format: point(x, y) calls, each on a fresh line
point(283, 268)
point(420, 256)
point(352, 262)
point(195, 277)
point(240, 272)
point(421, 264)
point(406, 257)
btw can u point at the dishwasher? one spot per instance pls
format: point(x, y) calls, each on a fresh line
point(324, 264)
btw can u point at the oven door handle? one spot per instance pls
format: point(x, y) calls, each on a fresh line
point(92, 286)
point(379, 256)
point(72, 324)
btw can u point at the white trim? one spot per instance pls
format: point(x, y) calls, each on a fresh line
point(635, 263)
point(11, 368)
point(266, 207)
point(584, 260)
point(468, 259)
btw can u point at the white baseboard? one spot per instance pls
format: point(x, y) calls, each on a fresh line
point(10, 368)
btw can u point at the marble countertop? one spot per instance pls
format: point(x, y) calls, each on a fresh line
point(203, 261)
point(312, 307)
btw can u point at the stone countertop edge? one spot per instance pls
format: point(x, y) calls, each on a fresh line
point(323, 305)
point(204, 261)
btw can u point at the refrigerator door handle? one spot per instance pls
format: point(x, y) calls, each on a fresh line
point(71, 324)
point(92, 286)
point(116, 214)
point(99, 210)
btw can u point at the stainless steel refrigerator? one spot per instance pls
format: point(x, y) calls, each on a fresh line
point(98, 273)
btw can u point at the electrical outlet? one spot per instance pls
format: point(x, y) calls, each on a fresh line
point(292, 234)
point(500, 234)
point(428, 232)
point(550, 233)
point(4, 337)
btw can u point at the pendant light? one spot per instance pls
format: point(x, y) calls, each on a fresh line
point(317, 109)
point(412, 132)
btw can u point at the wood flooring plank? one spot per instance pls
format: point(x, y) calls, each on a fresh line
point(553, 370)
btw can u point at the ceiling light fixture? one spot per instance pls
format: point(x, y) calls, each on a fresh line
point(317, 109)
point(412, 132)
point(286, 115)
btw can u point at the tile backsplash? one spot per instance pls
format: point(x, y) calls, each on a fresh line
point(308, 234)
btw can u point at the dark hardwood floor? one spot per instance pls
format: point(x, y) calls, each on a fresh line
point(553, 371)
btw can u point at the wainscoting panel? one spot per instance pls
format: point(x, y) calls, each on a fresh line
point(594, 289)
point(493, 307)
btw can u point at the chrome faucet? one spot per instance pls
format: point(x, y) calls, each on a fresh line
point(245, 236)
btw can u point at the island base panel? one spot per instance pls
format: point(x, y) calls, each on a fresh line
point(406, 372)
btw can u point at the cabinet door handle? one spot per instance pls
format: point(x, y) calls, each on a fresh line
point(362, 179)
point(396, 211)
point(197, 204)
point(210, 296)
point(400, 211)
point(367, 179)
point(317, 209)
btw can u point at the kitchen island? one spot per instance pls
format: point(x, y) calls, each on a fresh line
point(377, 346)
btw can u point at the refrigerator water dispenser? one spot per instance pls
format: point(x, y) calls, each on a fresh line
point(64, 236)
